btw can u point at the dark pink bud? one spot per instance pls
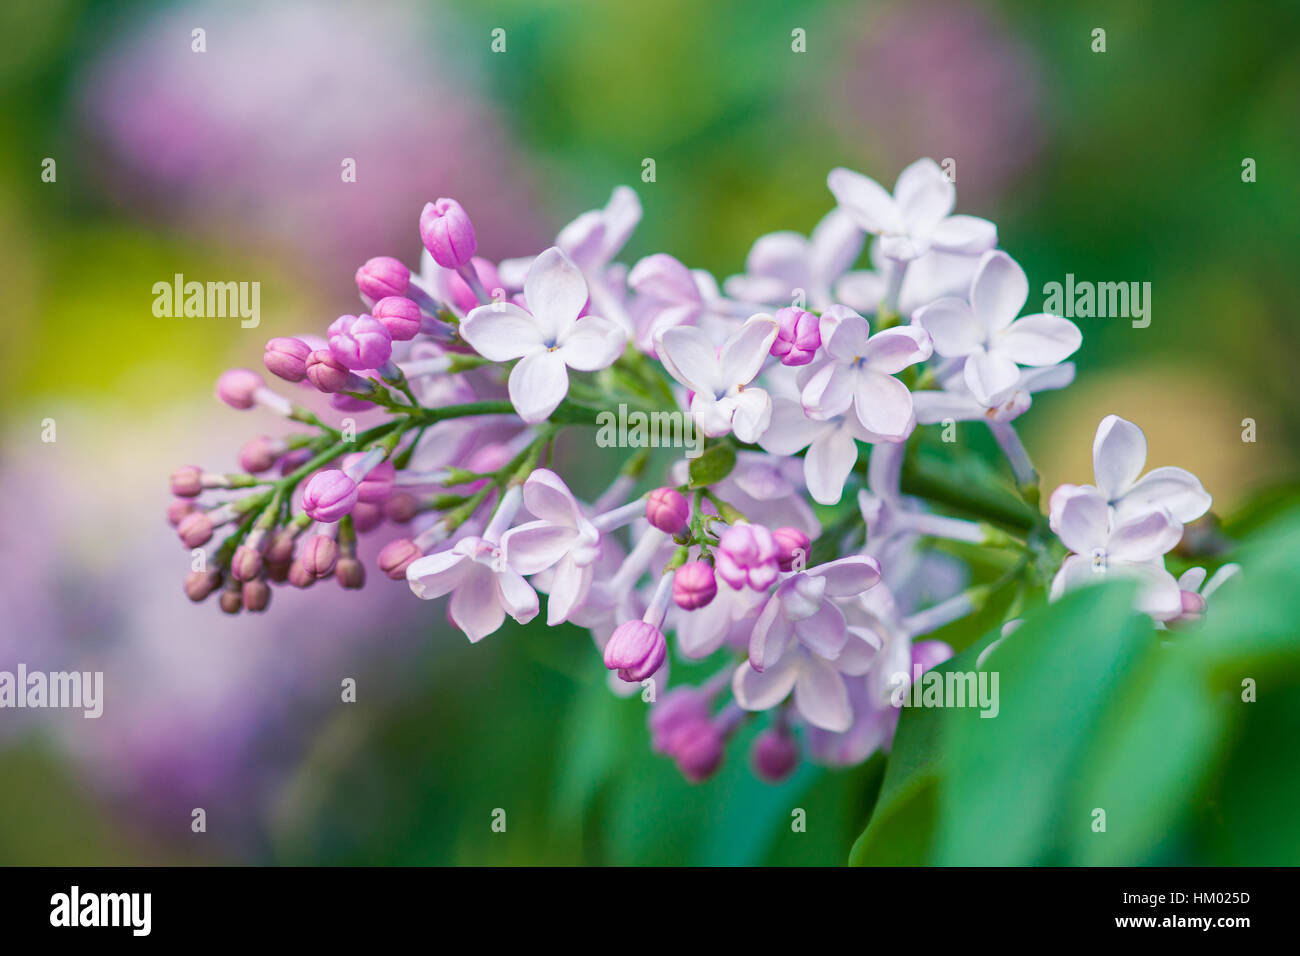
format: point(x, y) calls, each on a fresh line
point(350, 573)
point(396, 556)
point(195, 529)
point(401, 507)
point(746, 556)
point(383, 276)
point(238, 387)
point(231, 600)
point(178, 509)
point(187, 481)
point(775, 755)
point(246, 564)
point(360, 341)
point(261, 454)
point(697, 749)
point(378, 484)
point(694, 585)
point(286, 358)
point(447, 233)
point(326, 372)
point(256, 595)
point(667, 510)
point(798, 336)
point(299, 576)
point(320, 553)
point(680, 706)
point(199, 584)
point(400, 316)
point(636, 650)
point(367, 516)
point(792, 547)
point(329, 495)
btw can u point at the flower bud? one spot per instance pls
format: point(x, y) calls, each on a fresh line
point(195, 529)
point(680, 706)
point(178, 509)
point(462, 296)
point(697, 750)
point(187, 481)
point(667, 510)
point(447, 233)
point(360, 341)
point(286, 358)
point(792, 548)
point(256, 595)
point(774, 755)
point(798, 336)
point(238, 387)
point(401, 507)
point(350, 573)
point(396, 556)
point(636, 650)
point(261, 454)
point(383, 276)
point(377, 485)
point(319, 555)
point(746, 556)
point(694, 585)
point(329, 495)
point(231, 600)
point(367, 516)
point(299, 576)
point(326, 372)
point(246, 564)
point(199, 584)
point(400, 316)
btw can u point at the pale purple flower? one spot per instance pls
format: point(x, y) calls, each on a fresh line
point(724, 399)
point(1119, 453)
point(956, 402)
point(562, 539)
point(986, 332)
point(669, 294)
point(727, 619)
point(548, 337)
point(832, 446)
point(483, 587)
point(917, 217)
point(803, 608)
point(1132, 546)
point(785, 267)
point(858, 371)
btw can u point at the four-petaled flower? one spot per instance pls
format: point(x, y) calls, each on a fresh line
point(483, 587)
point(1119, 453)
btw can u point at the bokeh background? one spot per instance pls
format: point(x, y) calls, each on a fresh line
point(1116, 166)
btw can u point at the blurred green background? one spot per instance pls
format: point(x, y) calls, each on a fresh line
point(1117, 166)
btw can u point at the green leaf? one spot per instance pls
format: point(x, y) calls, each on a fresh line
point(712, 466)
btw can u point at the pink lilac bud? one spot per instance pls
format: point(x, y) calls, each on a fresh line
point(447, 233)
point(246, 564)
point(396, 556)
point(1193, 609)
point(928, 654)
point(746, 556)
point(261, 454)
point(286, 358)
point(791, 548)
point(299, 576)
point(360, 341)
point(231, 600)
point(798, 336)
point(329, 495)
point(195, 529)
point(187, 481)
point(319, 555)
point(775, 755)
point(367, 516)
point(375, 486)
point(679, 707)
point(667, 510)
point(327, 373)
point(462, 296)
point(350, 573)
point(636, 650)
point(256, 595)
point(400, 316)
point(694, 585)
point(199, 584)
point(294, 460)
point(383, 276)
point(238, 387)
point(178, 509)
point(696, 747)
point(346, 403)
point(402, 507)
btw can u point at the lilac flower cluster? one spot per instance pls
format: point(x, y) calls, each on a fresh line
point(807, 377)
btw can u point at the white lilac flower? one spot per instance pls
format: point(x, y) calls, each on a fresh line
point(917, 217)
point(956, 402)
point(987, 334)
point(723, 397)
point(781, 265)
point(832, 445)
point(548, 337)
point(859, 370)
point(561, 540)
point(1119, 453)
point(821, 695)
point(1102, 542)
point(802, 608)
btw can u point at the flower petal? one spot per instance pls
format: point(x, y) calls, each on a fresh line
point(592, 343)
point(883, 405)
point(829, 392)
point(569, 588)
point(1039, 340)
point(965, 235)
point(1144, 537)
point(689, 357)
point(745, 351)
point(1080, 518)
point(546, 496)
point(436, 574)
point(475, 607)
point(991, 377)
point(752, 415)
point(952, 326)
point(835, 244)
point(828, 464)
point(516, 595)
point(537, 384)
point(555, 292)
point(924, 196)
point(1119, 452)
point(895, 349)
point(866, 201)
point(848, 577)
point(501, 331)
point(1175, 488)
point(823, 632)
point(763, 691)
point(998, 291)
point(536, 545)
point(790, 430)
point(821, 697)
point(770, 637)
